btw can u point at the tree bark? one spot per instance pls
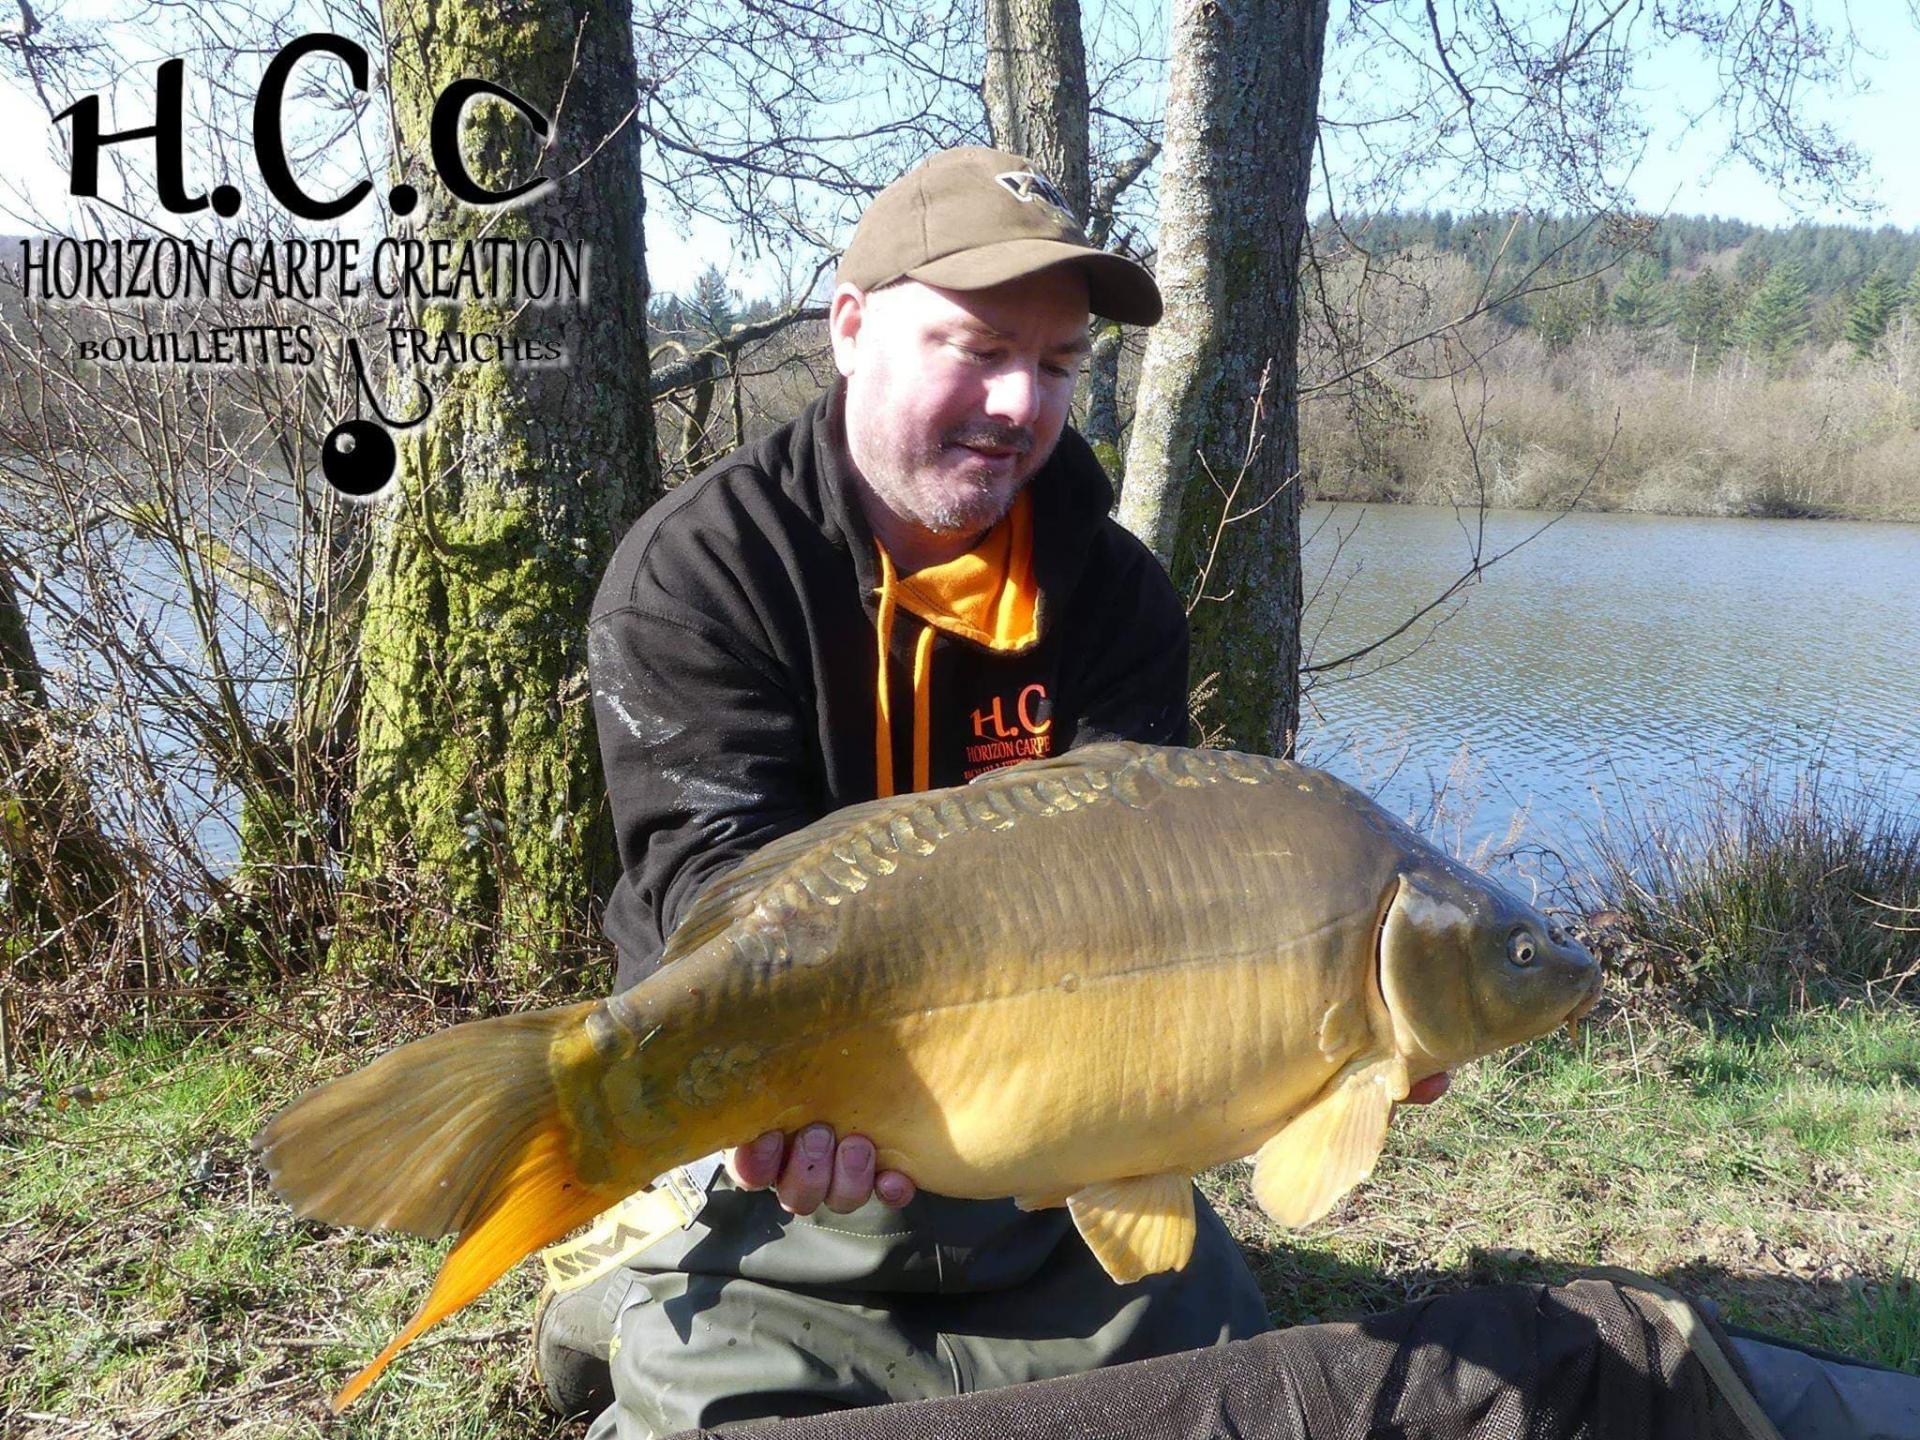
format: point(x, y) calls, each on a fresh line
point(19, 666)
point(480, 830)
point(1036, 90)
point(1102, 424)
point(61, 871)
point(1241, 116)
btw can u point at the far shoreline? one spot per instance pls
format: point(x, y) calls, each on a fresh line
point(1587, 506)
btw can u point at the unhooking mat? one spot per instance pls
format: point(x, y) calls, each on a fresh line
point(1607, 1358)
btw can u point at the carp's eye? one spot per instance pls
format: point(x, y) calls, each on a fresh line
point(1520, 947)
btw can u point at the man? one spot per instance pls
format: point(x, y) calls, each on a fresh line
point(915, 582)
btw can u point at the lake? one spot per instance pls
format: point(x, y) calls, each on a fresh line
point(1612, 658)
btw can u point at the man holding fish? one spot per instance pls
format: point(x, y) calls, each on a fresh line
point(1052, 995)
point(916, 582)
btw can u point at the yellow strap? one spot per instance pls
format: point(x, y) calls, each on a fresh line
point(1706, 1349)
point(640, 1220)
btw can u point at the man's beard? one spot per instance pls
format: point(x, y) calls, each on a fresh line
point(952, 504)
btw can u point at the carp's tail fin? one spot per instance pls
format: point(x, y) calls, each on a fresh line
point(462, 1132)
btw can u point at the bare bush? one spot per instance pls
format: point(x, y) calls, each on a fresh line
point(1832, 436)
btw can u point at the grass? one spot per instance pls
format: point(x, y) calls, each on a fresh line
point(1768, 1167)
point(1763, 892)
point(1740, 1118)
point(152, 1286)
point(149, 1281)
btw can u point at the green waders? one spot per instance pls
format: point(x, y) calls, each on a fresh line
point(750, 1313)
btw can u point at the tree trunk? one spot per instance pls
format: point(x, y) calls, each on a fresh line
point(1241, 115)
point(1036, 90)
point(1102, 425)
point(480, 830)
point(19, 667)
point(1036, 96)
point(61, 872)
point(1037, 104)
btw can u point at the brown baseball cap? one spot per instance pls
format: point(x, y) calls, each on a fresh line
point(972, 217)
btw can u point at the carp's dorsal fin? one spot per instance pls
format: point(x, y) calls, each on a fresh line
point(1106, 755)
point(1137, 1227)
point(733, 895)
point(1330, 1146)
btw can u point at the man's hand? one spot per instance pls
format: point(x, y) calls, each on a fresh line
point(807, 1170)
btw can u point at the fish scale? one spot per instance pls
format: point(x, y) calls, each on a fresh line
point(1022, 901)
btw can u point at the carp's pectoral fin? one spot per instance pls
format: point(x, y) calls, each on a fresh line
point(1330, 1146)
point(1137, 1227)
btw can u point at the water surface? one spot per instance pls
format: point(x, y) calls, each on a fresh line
point(1612, 658)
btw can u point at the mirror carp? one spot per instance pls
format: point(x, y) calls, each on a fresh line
point(1077, 981)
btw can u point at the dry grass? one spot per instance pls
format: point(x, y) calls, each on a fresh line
point(1835, 437)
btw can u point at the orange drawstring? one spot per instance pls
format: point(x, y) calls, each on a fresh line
point(922, 707)
point(882, 701)
point(986, 596)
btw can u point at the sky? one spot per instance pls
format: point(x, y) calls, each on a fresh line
point(1676, 174)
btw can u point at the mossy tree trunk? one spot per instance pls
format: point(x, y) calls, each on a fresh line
point(60, 871)
point(480, 836)
point(1102, 424)
point(1240, 127)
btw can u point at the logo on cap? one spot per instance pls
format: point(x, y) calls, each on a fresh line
point(1026, 186)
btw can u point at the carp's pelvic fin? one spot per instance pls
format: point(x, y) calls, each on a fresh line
point(1137, 1227)
point(1331, 1146)
point(459, 1132)
point(1051, 1200)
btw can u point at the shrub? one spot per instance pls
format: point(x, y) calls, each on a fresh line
point(1760, 891)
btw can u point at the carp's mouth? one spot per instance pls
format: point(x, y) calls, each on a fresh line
point(1583, 1007)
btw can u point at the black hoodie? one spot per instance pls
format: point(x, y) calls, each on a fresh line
point(735, 664)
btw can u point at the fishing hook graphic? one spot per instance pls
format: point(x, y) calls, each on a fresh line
point(360, 368)
point(358, 457)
